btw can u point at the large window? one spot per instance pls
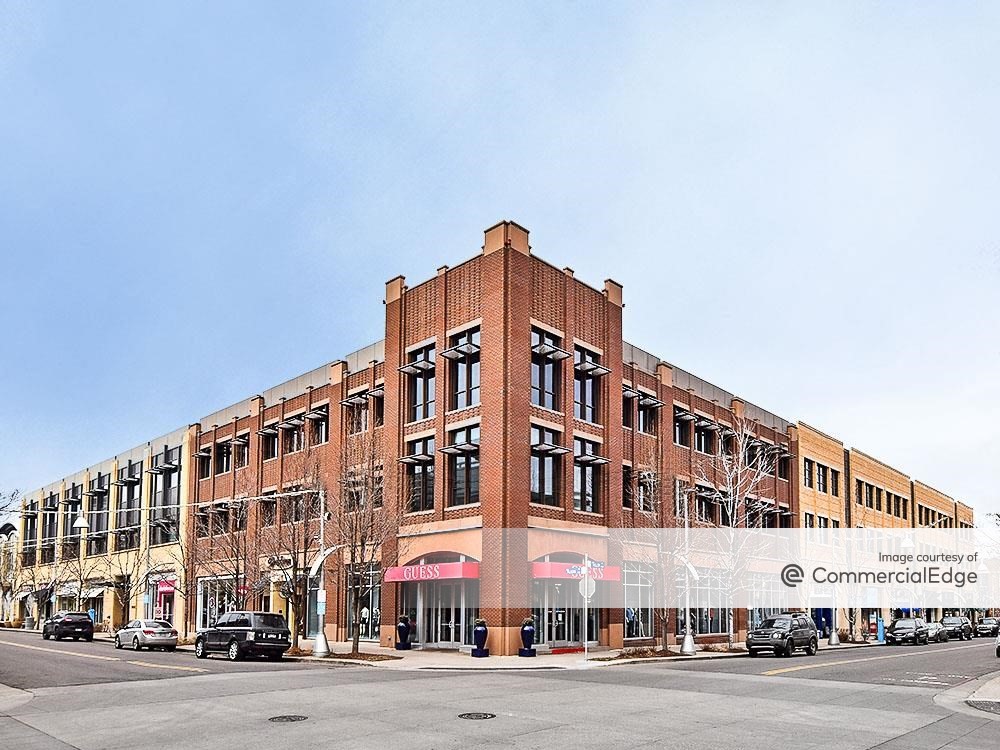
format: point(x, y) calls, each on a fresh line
point(419, 463)
point(682, 428)
point(646, 486)
point(368, 581)
point(546, 371)
point(419, 371)
point(638, 581)
point(269, 442)
point(821, 477)
point(129, 512)
point(293, 435)
point(463, 354)
point(463, 464)
point(647, 419)
point(628, 487)
point(166, 501)
point(241, 451)
point(586, 384)
point(807, 472)
point(546, 465)
point(223, 457)
point(587, 475)
point(704, 438)
point(709, 593)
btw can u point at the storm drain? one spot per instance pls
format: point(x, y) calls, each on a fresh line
point(477, 716)
point(992, 706)
point(287, 718)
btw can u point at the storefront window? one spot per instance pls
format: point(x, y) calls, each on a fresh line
point(369, 614)
point(638, 581)
point(443, 612)
point(709, 593)
point(216, 596)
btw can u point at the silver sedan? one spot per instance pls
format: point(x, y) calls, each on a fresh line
point(149, 634)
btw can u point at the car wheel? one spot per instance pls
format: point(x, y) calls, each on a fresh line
point(812, 648)
point(88, 638)
point(233, 653)
point(199, 649)
point(998, 652)
point(135, 644)
point(753, 654)
point(277, 657)
point(118, 642)
point(45, 636)
point(789, 647)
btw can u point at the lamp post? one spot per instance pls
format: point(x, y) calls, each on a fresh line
point(321, 647)
point(80, 526)
point(687, 645)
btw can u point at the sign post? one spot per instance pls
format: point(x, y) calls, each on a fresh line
point(587, 587)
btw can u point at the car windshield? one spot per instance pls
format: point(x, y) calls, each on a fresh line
point(154, 624)
point(782, 623)
point(990, 621)
point(903, 624)
point(270, 621)
point(952, 621)
point(78, 614)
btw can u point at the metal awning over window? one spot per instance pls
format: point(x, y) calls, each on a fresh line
point(291, 423)
point(593, 369)
point(461, 350)
point(707, 424)
point(649, 401)
point(549, 449)
point(313, 415)
point(460, 449)
point(417, 366)
point(629, 392)
point(417, 459)
point(590, 459)
point(355, 399)
point(550, 351)
point(241, 440)
point(377, 392)
point(683, 415)
point(268, 430)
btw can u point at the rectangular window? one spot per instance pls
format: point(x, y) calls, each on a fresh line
point(834, 482)
point(378, 410)
point(869, 495)
point(859, 492)
point(546, 465)
point(205, 462)
point(878, 498)
point(783, 467)
point(905, 505)
point(98, 513)
point(268, 509)
point(223, 457)
point(420, 474)
point(646, 490)
point(129, 512)
point(357, 418)
point(464, 368)
point(165, 504)
point(835, 523)
point(627, 491)
point(241, 451)
point(821, 477)
point(704, 439)
point(647, 419)
point(682, 429)
point(627, 420)
point(463, 460)
point(269, 442)
point(586, 385)
point(638, 583)
point(807, 472)
point(420, 383)
point(546, 368)
point(810, 521)
point(587, 476)
point(293, 435)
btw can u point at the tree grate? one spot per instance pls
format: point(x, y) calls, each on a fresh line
point(992, 707)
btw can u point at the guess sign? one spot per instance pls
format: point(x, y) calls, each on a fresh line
point(432, 571)
point(598, 571)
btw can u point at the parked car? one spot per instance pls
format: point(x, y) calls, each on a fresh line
point(140, 634)
point(907, 630)
point(937, 632)
point(988, 626)
point(996, 645)
point(240, 634)
point(75, 625)
point(784, 633)
point(958, 627)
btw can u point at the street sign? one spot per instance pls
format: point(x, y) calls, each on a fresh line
point(587, 587)
point(321, 596)
point(320, 608)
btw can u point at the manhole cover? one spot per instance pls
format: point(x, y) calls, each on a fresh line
point(287, 718)
point(477, 716)
point(992, 706)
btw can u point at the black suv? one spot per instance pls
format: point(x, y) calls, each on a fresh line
point(958, 627)
point(75, 625)
point(240, 634)
point(907, 630)
point(784, 633)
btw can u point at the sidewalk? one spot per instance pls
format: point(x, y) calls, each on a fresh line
point(987, 697)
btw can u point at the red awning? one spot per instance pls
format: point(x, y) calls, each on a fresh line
point(574, 571)
point(432, 571)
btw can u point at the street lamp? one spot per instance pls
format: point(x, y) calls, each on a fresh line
point(80, 524)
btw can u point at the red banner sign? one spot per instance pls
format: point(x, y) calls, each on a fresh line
point(575, 571)
point(432, 571)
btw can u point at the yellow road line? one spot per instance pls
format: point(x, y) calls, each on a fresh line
point(772, 672)
point(60, 651)
point(166, 666)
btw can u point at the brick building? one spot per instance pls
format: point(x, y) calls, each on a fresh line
point(502, 396)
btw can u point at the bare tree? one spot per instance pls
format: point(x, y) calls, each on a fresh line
point(731, 481)
point(10, 504)
point(126, 570)
point(360, 521)
point(78, 570)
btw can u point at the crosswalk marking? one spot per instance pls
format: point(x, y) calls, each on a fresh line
point(820, 665)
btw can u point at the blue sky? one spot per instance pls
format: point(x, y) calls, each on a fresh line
point(200, 201)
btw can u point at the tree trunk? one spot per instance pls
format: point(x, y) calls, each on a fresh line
point(356, 629)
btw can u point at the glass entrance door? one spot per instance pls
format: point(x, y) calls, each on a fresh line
point(449, 614)
point(558, 613)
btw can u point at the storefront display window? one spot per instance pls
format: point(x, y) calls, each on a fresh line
point(638, 581)
point(370, 613)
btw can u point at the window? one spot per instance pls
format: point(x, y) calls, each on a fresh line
point(646, 490)
point(205, 463)
point(201, 520)
point(241, 451)
point(859, 492)
point(98, 515)
point(463, 460)
point(419, 372)
point(269, 442)
point(587, 476)
point(807, 472)
point(268, 509)
point(546, 370)
point(129, 512)
point(357, 418)
point(293, 435)
point(869, 496)
point(810, 521)
point(165, 505)
point(420, 474)
point(627, 491)
point(647, 419)
point(464, 369)
point(586, 384)
point(905, 504)
point(878, 498)
point(546, 465)
point(627, 420)
point(682, 428)
point(704, 439)
point(783, 467)
point(821, 476)
point(835, 524)
point(638, 582)
point(824, 522)
point(897, 509)
point(834, 482)
point(223, 457)
point(378, 410)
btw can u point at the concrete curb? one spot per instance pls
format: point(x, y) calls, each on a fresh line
point(958, 698)
point(11, 698)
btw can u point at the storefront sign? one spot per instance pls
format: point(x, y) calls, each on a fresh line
point(575, 571)
point(432, 571)
point(166, 587)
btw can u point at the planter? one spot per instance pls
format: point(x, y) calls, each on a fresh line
point(403, 630)
point(479, 636)
point(527, 640)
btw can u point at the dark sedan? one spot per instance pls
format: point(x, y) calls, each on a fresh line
point(958, 627)
point(907, 630)
point(75, 625)
point(988, 626)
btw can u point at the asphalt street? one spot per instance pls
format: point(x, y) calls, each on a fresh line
point(876, 697)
